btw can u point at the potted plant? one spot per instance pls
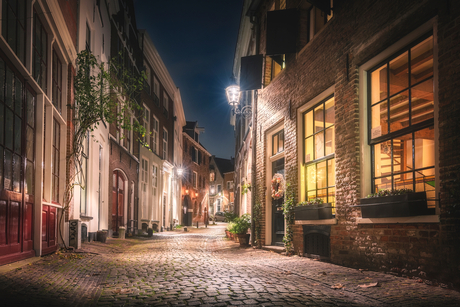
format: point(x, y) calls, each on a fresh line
point(227, 230)
point(395, 203)
point(240, 228)
point(313, 209)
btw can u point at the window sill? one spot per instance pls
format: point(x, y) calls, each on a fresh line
point(316, 222)
point(85, 217)
point(400, 220)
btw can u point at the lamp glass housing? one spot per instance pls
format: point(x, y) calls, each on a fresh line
point(233, 95)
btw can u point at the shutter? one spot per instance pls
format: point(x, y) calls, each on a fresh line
point(251, 72)
point(282, 28)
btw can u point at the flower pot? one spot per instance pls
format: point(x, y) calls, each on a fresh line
point(243, 239)
point(410, 204)
point(102, 236)
point(313, 212)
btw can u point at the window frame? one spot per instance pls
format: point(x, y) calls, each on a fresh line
point(412, 128)
point(165, 143)
point(316, 161)
point(43, 58)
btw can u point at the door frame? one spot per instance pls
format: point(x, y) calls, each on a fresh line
point(268, 170)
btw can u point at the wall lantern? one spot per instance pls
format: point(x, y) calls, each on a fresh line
point(196, 194)
point(180, 171)
point(233, 97)
point(186, 191)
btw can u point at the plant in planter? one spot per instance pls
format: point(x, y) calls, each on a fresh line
point(240, 228)
point(395, 203)
point(228, 230)
point(313, 209)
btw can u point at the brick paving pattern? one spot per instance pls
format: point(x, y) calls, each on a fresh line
point(202, 268)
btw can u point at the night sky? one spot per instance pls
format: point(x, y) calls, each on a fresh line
point(196, 40)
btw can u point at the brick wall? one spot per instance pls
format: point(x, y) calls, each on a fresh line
point(358, 32)
point(202, 170)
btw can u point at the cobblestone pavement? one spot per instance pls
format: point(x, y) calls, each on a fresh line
point(201, 267)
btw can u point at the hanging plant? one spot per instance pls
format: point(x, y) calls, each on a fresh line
point(277, 186)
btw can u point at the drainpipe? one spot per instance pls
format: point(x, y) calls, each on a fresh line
point(254, 191)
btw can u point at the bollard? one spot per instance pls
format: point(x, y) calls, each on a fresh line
point(196, 224)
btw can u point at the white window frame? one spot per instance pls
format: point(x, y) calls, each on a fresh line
point(144, 184)
point(154, 179)
point(155, 134)
point(365, 148)
point(165, 143)
point(156, 87)
point(146, 123)
point(195, 179)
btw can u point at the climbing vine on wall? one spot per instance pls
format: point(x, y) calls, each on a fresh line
point(288, 207)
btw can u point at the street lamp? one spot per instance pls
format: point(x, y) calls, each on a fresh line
point(233, 97)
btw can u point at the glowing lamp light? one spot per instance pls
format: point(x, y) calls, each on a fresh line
point(233, 95)
point(212, 191)
point(196, 194)
point(180, 171)
point(186, 191)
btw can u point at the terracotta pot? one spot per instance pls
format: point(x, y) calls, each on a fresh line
point(243, 239)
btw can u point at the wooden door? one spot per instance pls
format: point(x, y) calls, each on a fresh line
point(49, 225)
point(17, 165)
point(277, 208)
point(117, 200)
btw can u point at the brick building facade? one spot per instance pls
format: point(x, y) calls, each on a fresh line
point(195, 178)
point(361, 98)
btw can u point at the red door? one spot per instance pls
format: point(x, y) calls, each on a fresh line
point(49, 224)
point(118, 186)
point(17, 165)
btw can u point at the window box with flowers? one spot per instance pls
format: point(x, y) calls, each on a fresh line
point(395, 203)
point(313, 209)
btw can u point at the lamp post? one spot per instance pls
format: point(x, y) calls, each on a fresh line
point(233, 97)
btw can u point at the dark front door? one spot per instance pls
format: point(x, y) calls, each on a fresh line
point(17, 165)
point(277, 208)
point(118, 187)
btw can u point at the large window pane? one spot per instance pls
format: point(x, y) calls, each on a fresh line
point(321, 175)
point(330, 112)
point(311, 177)
point(422, 61)
point(422, 105)
point(319, 118)
point(379, 120)
point(331, 172)
point(309, 149)
point(382, 159)
point(424, 148)
point(9, 128)
point(399, 111)
point(308, 123)
point(379, 84)
point(16, 173)
point(17, 134)
point(399, 73)
point(29, 183)
point(319, 145)
point(330, 140)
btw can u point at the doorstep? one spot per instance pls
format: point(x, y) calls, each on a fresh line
point(274, 248)
point(18, 264)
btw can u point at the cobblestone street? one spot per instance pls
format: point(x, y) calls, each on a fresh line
point(202, 267)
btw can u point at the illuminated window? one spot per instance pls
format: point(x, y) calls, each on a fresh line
point(194, 179)
point(401, 111)
point(278, 142)
point(319, 151)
